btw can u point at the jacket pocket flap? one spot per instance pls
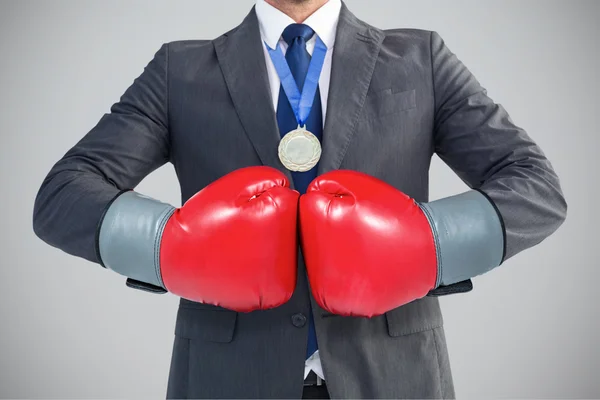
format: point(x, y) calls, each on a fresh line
point(205, 324)
point(417, 316)
point(390, 101)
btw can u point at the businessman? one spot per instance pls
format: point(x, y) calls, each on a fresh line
point(306, 253)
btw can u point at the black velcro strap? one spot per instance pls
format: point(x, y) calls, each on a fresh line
point(146, 287)
point(455, 288)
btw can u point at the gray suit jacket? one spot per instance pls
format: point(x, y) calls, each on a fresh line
point(396, 98)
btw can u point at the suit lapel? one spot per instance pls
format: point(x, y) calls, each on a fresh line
point(355, 53)
point(242, 61)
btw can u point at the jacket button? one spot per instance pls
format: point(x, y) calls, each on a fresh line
point(299, 320)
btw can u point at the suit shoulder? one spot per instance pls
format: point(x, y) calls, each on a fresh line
point(183, 53)
point(408, 35)
point(179, 46)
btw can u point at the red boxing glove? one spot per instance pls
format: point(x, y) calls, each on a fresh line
point(234, 243)
point(368, 247)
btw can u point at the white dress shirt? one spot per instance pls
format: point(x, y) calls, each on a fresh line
point(324, 22)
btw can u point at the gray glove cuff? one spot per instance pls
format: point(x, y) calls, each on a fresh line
point(469, 236)
point(130, 234)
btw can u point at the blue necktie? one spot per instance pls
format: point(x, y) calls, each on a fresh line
point(298, 60)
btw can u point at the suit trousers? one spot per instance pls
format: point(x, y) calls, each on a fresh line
point(315, 392)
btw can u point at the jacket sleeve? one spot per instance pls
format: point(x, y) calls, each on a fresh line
point(478, 140)
point(125, 146)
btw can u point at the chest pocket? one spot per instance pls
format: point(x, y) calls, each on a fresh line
point(389, 101)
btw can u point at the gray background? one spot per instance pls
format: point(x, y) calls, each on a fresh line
point(70, 329)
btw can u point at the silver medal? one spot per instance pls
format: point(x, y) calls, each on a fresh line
point(299, 150)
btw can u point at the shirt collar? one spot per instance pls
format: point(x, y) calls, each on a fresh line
point(272, 22)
